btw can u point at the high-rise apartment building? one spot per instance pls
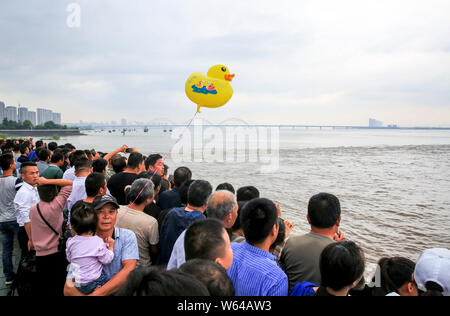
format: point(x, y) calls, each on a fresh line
point(11, 113)
point(22, 114)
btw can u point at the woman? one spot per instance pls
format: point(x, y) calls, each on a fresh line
point(51, 263)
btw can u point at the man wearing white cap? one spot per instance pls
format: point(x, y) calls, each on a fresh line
point(432, 272)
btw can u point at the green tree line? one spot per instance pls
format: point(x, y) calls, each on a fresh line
point(7, 124)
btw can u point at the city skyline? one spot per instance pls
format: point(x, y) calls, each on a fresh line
point(299, 62)
point(22, 113)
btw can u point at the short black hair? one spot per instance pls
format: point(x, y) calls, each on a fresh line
point(70, 146)
point(23, 148)
point(281, 234)
point(75, 156)
point(237, 223)
point(394, 273)
point(324, 210)
point(6, 160)
point(99, 165)
point(154, 281)
point(83, 163)
point(199, 193)
point(212, 274)
point(43, 153)
point(88, 154)
point(119, 164)
point(39, 143)
point(257, 219)
point(47, 193)
point(341, 264)
point(204, 240)
point(134, 160)
point(83, 219)
point(94, 182)
point(156, 178)
point(52, 146)
point(181, 175)
point(57, 156)
point(151, 160)
point(226, 186)
point(184, 189)
point(247, 193)
point(27, 164)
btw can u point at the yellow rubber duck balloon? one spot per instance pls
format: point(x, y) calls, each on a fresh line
point(211, 91)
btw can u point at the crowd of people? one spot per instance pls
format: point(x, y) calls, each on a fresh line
point(118, 223)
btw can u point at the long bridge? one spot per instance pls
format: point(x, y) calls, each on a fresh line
point(172, 126)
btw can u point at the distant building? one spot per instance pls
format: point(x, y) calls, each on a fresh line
point(2, 111)
point(375, 123)
point(32, 117)
point(11, 113)
point(43, 116)
point(124, 122)
point(22, 114)
point(57, 118)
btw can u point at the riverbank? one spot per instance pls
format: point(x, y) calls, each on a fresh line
point(40, 132)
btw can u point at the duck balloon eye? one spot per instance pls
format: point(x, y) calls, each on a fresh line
point(224, 69)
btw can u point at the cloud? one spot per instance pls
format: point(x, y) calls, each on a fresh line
point(310, 60)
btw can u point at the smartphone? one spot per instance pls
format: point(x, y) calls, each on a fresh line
point(128, 150)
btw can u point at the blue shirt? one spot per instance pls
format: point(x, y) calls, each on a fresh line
point(125, 248)
point(255, 272)
point(169, 199)
point(175, 222)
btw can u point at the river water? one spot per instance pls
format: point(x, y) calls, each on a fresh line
point(393, 185)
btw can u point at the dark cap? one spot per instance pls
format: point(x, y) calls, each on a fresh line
point(102, 200)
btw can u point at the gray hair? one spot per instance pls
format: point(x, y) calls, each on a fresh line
point(220, 204)
point(141, 190)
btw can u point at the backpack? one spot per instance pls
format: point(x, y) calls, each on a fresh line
point(25, 282)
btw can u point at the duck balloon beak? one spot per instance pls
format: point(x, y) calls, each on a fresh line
point(229, 77)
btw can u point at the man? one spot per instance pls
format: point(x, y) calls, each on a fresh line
point(170, 199)
point(254, 271)
point(178, 219)
point(8, 221)
point(83, 168)
point(99, 165)
point(247, 193)
point(52, 146)
point(300, 256)
point(54, 169)
point(222, 205)
point(24, 151)
point(341, 267)
point(155, 163)
point(95, 185)
point(44, 159)
point(209, 240)
point(126, 252)
point(213, 275)
point(119, 181)
point(69, 174)
point(26, 197)
point(145, 227)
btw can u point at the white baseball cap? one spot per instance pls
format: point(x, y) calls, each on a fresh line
point(433, 265)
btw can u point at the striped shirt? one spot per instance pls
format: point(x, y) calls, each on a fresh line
point(254, 272)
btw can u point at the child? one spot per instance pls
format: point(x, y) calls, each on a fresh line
point(86, 252)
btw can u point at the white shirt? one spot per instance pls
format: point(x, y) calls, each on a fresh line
point(78, 191)
point(25, 198)
point(69, 174)
point(178, 256)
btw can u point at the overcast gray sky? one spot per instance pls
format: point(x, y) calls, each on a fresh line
point(304, 62)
